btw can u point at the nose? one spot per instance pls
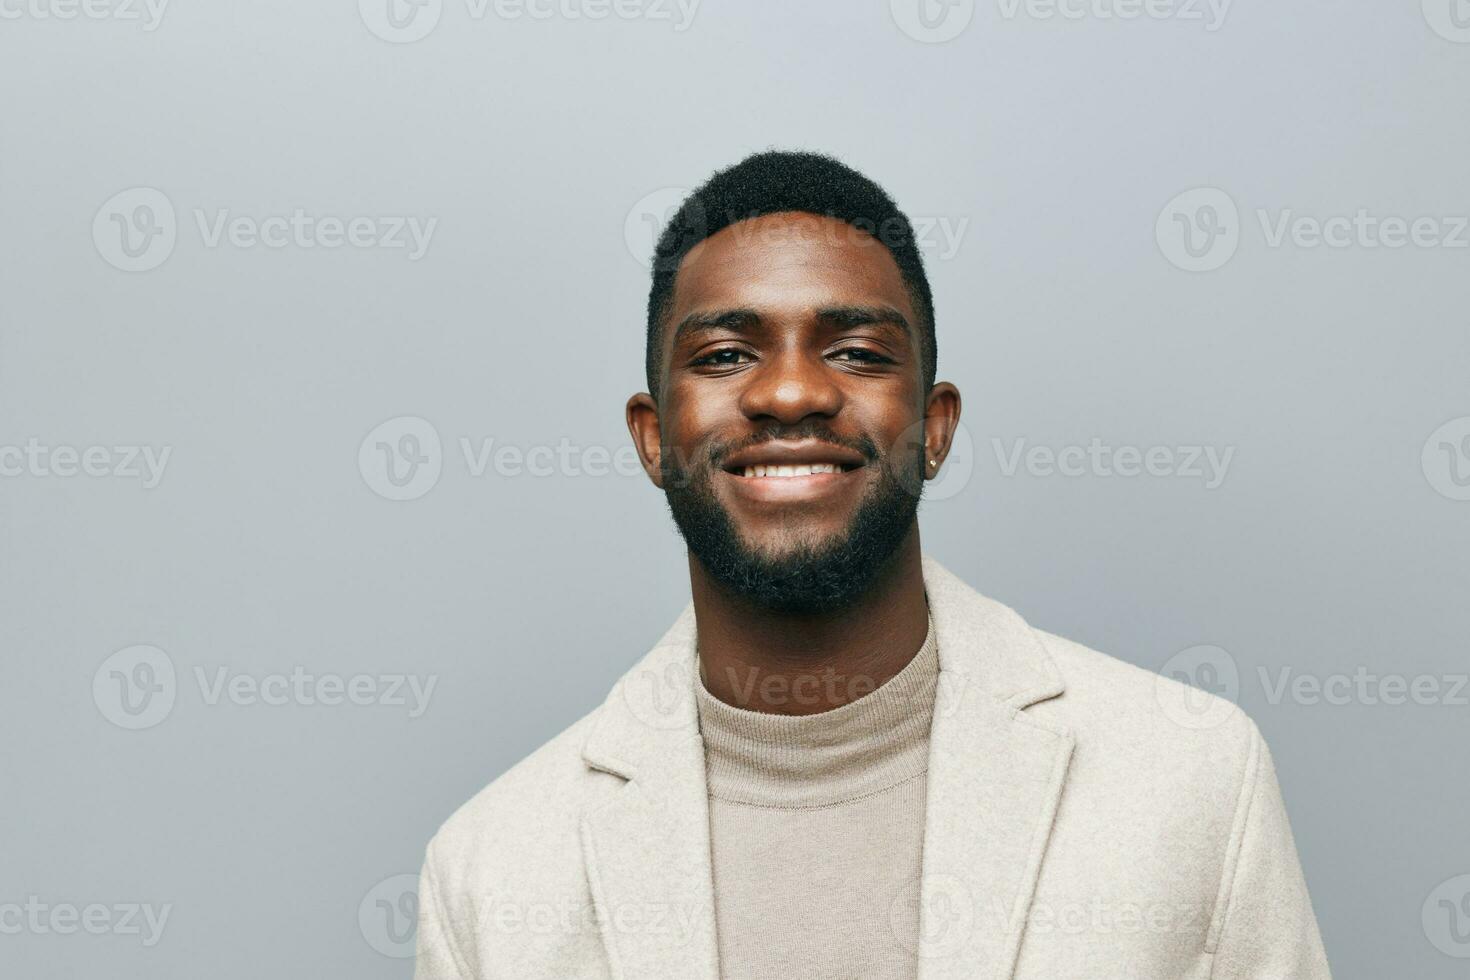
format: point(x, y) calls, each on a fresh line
point(789, 386)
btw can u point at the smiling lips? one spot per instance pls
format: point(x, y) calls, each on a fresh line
point(783, 457)
point(790, 470)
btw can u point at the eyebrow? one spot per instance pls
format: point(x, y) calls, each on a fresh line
point(861, 316)
point(737, 320)
point(743, 319)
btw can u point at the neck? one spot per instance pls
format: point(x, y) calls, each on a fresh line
point(798, 664)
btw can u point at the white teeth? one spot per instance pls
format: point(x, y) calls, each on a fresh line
point(798, 469)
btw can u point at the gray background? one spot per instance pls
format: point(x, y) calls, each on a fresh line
point(265, 548)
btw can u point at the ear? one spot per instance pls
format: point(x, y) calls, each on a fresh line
point(643, 426)
point(941, 419)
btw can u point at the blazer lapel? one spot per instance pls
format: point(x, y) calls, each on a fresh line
point(647, 851)
point(995, 780)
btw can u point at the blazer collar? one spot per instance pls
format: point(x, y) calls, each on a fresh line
point(995, 781)
point(987, 646)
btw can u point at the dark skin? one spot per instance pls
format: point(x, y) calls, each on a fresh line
point(776, 320)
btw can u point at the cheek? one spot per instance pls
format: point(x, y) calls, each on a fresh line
point(895, 424)
point(907, 440)
point(691, 420)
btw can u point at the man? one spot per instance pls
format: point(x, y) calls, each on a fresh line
point(840, 761)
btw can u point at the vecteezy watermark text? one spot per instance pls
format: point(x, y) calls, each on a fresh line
point(305, 231)
point(938, 237)
point(1210, 13)
point(403, 458)
point(1199, 687)
point(1364, 686)
point(407, 21)
point(1208, 464)
point(137, 688)
point(137, 229)
point(40, 918)
point(307, 689)
point(34, 458)
point(148, 13)
point(938, 21)
point(1201, 229)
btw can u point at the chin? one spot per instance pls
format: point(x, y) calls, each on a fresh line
point(800, 543)
point(791, 559)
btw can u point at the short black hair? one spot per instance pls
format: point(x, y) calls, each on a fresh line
point(776, 181)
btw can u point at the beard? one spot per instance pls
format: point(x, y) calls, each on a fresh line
point(812, 575)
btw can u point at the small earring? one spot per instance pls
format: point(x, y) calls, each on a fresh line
point(932, 463)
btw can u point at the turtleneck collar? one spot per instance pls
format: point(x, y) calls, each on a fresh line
point(865, 746)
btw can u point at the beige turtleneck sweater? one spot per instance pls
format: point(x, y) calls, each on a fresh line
point(817, 830)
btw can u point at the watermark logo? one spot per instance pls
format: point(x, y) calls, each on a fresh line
point(1450, 19)
point(149, 13)
point(1197, 688)
point(646, 221)
point(1446, 459)
point(953, 475)
point(402, 458)
point(950, 477)
point(932, 21)
point(1446, 917)
point(1199, 230)
point(388, 916)
point(945, 909)
point(1209, 685)
point(135, 230)
point(401, 21)
point(660, 691)
point(136, 687)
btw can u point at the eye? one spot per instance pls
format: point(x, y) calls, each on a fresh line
point(726, 357)
point(860, 355)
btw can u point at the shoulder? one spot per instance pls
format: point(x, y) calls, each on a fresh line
point(503, 876)
point(532, 807)
point(529, 819)
point(1147, 731)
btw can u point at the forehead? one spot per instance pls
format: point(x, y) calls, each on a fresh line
point(788, 263)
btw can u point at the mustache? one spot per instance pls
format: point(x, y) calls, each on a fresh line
point(806, 429)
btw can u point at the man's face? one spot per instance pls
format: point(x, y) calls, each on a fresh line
point(790, 433)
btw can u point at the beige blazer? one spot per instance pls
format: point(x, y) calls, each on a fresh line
point(1086, 820)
